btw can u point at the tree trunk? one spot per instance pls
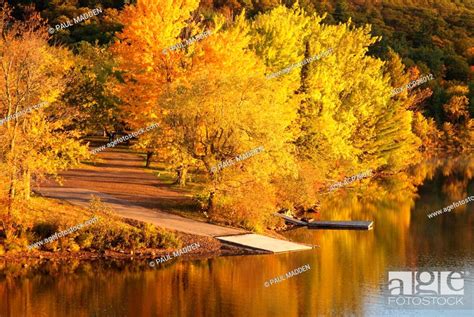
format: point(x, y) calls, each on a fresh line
point(12, 176)
point(11, 189)
point(182, 173)
point(210, 202)
point(149, 154)
point(27, 184)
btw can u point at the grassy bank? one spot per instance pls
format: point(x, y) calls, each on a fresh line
point(41, 218)
point(110, 238)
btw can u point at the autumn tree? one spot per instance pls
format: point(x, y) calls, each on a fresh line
point(148, 66)
point(459, 130)
point(347, 121)
point(33, 140)
point(279, 38)
point(224, 108)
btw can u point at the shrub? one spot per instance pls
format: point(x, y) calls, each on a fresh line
point(45, 229)
point(84, 240)
point(168, 240)
point(245, 208)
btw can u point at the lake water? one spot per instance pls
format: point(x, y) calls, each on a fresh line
point(348, 275)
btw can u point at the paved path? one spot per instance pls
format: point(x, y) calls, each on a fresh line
point(133, 192)
point(124, 208)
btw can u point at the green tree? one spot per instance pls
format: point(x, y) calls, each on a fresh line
point(341, 11)
point(89, 90)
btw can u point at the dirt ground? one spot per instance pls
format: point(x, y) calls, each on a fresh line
point(123, 176)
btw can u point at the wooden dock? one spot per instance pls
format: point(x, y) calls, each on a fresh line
point(358, 225)
point(326, 224)
point(291, 220)
point(263, 243)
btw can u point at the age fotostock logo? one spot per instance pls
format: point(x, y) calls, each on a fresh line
point(426, 289)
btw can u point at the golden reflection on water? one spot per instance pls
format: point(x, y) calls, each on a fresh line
point(347, 269)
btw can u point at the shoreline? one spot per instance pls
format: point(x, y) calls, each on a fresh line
point(209, 248)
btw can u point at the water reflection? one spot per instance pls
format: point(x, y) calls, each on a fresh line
point(346, 275)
